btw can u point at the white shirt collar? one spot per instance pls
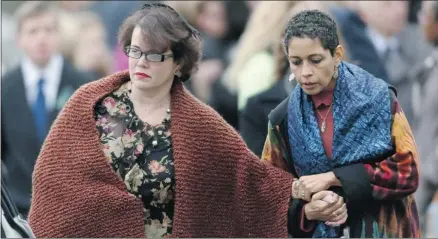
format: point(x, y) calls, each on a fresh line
point(51, 74)
point(382, 43)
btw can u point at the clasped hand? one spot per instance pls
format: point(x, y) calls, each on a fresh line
point(327, 206)
point(306, 186)
point(322, 205)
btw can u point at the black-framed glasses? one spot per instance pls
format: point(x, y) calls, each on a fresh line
point(154, 57)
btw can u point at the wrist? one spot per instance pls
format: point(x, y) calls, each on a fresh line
point(295, 188)
point(306, 212)
point(333, 180)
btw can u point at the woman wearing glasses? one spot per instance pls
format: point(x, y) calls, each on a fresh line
point(134, 154)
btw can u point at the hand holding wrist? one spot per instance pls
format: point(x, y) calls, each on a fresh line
point(333, 180)
point(307, 212)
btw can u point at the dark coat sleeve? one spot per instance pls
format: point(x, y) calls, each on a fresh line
point(253, 125)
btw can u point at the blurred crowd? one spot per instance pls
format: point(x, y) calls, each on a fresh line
point(243, 73)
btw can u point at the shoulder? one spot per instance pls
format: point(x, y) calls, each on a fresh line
point(11, 75)
point(88, 94)
point(421, 71)
point(204, 116)
point(76, 76)
point(278, 114)
point(364, 81)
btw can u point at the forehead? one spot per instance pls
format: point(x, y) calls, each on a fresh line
point(303, 47)
point(147, 42)
point(45, 18)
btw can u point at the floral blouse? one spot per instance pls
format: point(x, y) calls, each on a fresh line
point(141, 155)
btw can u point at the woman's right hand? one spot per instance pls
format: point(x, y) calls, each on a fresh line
point(327, 206)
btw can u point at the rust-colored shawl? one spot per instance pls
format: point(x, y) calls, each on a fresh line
point(222, 189)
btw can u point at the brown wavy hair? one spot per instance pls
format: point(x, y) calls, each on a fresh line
point(164, 28)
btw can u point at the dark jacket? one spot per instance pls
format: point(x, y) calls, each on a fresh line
point(253, 121)
point(225, 103)
point(19, 141)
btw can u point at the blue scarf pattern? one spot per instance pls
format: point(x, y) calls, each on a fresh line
point(362, 127)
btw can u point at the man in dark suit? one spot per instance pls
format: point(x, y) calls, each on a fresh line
point(379, 39)
point(426, 119)
point(32, 95)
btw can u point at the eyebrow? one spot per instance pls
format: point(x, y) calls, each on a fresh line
point(311, 55)
point(147, 51)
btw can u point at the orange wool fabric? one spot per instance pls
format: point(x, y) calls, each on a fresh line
point(222, 189)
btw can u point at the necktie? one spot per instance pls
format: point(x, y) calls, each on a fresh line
point(40, 112)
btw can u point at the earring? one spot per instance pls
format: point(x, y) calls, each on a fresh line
point(291, 77)
point(178, 74)
point(335, 72)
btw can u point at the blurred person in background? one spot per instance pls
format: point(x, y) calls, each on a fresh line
point(254, 117)
point(69, 27)
point(210, 18)
point(221, 23)
point(87, 56)
point(74, 6)
point(380, 39)
point(10, 54)
point(252, 67)
point(426, 114)
point(33, 93)
point(318, 135)
point(127, 145)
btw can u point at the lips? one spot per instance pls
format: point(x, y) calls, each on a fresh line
point(142, 75)
point(308, 85)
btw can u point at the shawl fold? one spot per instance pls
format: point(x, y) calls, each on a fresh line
point(222, 188)
point(362, 127)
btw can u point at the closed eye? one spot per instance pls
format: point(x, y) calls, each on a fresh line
point(296, 62)
point(316, 61)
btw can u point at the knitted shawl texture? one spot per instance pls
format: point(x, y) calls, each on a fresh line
point(222, 188)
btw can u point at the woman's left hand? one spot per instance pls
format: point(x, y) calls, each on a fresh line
point(308, 185)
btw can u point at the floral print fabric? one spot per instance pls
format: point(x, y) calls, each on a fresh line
point(141, 155)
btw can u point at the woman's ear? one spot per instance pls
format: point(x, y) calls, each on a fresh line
point(339, 54)
point(178, 65)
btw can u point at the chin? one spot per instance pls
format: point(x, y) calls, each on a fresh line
point(314, 91)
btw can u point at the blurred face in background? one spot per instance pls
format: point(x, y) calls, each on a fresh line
point(212, 19)
point(74, 5)
point(91, 50)
point(38, 37)
point(428, 20)
point(387, 17)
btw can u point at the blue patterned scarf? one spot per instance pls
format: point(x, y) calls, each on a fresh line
point(362, 127)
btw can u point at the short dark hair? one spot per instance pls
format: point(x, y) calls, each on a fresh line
point(164, 28)
point(312, 24)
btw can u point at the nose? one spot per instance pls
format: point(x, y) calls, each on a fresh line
point(307, 70)
point(142, 62)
